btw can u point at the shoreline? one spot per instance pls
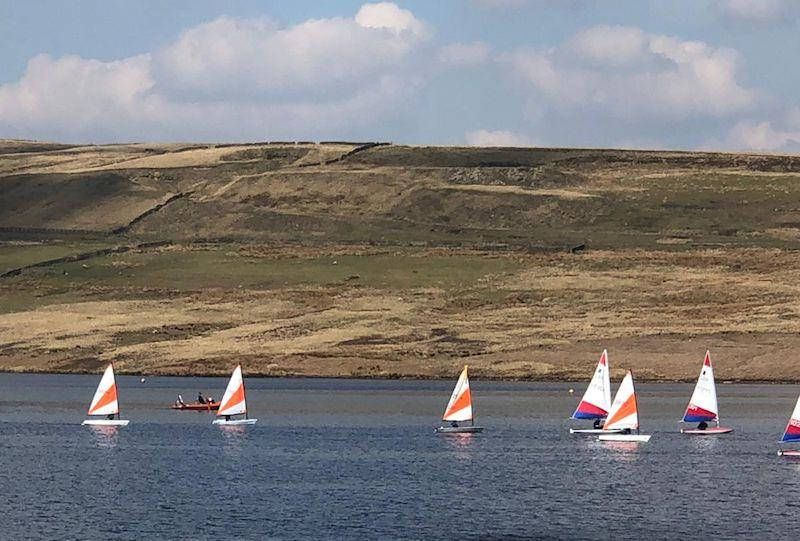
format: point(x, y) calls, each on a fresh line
point(500, 379)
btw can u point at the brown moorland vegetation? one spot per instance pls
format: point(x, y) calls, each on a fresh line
point(352, 259)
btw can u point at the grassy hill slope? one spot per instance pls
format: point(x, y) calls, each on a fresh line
point(354, 259)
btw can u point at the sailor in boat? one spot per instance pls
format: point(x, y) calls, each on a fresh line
point(454, 424)
point(702, 426)
point(110, 416)
point(227, 418)
point(598, 424)
point(200, 398)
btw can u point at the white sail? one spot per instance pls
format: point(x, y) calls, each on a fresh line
point(233, 401)
point(105, 398)
point(624, 411)
point(703, 404)
point(459, 408)
point(596, 400)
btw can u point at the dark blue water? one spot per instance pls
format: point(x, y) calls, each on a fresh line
point(334, 459)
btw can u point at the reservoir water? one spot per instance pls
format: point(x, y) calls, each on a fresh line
point(358, 459)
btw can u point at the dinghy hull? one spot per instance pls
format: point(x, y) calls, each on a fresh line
point(593, 431)
point(792, 453)
point(716, 431)
point(196, 407)
point(234, 422)
point(639, 438)
point(459, 429)
point(105, 422)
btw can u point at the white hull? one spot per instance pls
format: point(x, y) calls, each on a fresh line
point(105, 422)
point(593, 431)
point(234, 422)
point(716, 431)
point(792, 453)
point(643, 438)
point(459, 429)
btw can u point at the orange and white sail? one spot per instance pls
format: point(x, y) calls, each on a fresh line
point(460, 406)
point(105, 398)
point(624, 411)
point(233, 401)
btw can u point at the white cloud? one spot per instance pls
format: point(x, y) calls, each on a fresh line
point(230, 79)
point(464, 53)
point(626, 73)
point(758, 10)
point(246, 57)
point(763, 136)
point(386, 15)
point(72, 91)
point(355, 76)
point(611, 45)
point(498, 138)
point(639, 144)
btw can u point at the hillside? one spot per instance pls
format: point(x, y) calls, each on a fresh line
point(353, 259)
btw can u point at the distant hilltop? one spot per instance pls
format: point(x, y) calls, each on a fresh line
point(336, 191)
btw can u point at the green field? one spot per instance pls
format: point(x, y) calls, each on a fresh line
point(223, 267)
point(15, 255)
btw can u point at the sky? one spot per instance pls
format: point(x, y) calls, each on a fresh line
point(678, 74)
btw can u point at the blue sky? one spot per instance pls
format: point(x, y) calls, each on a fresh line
point(713, 74)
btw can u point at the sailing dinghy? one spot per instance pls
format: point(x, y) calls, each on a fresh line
point(624, 415)
point(596, 400)
point(792, 433)
point(459, 409)
point(105, 402)
point(703, 408)
point(234, 402)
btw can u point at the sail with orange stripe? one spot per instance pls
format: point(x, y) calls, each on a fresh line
point(233, 401)
point(624, 411)
point(105, 398)
point(460, 406)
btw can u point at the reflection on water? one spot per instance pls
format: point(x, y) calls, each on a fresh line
point(234, 437)
point(623, 450)
point(104, 436)
point(233, 431)
point(460, 444)
point(707, 444)
point(620, 450)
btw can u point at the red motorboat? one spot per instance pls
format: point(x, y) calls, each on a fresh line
point(196, 406)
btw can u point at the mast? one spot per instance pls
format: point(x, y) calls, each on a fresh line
point(636, 404)
point(244, 394)
point(471, 407)
point(119, 409)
